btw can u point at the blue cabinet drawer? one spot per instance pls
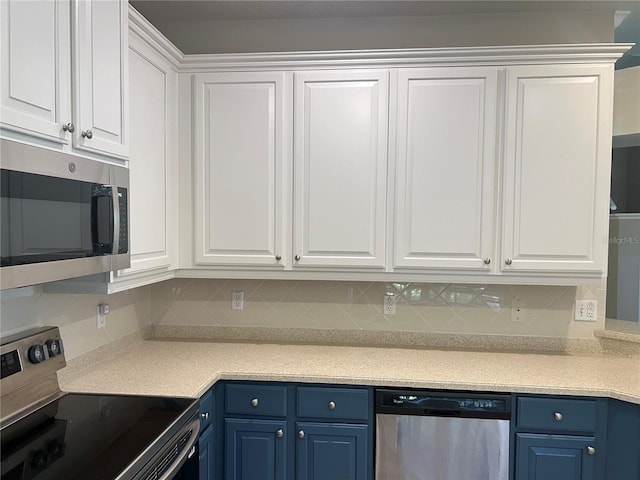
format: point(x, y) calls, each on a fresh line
point(557, 414)
point(256, 400)
point(333, 403)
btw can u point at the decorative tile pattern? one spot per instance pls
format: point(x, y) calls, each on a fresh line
point(420, 307)
point(75, 315)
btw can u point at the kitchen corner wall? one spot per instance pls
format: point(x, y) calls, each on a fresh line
point(421, 307)
point(29, 307)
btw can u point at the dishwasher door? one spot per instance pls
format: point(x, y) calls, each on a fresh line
point(442, 436)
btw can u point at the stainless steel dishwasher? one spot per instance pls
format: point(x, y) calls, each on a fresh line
point(422, 435)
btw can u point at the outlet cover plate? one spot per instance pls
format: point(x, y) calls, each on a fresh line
point(586, 310)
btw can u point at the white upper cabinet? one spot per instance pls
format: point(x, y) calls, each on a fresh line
point(36, 67)
point(45, 70)
point(340, 165)
point(153, 163)
point(100, 94)
point(446, 158)
point(239, 153)
point(556, 168)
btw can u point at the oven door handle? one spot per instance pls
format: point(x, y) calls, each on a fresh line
point(179, 461)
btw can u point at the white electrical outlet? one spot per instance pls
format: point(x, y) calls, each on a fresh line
point(389, 305)
point(586, 310)
point(518, 312)
point(237, 300)
point(102, 311)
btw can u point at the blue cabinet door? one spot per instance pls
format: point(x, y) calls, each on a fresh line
point(255, 449)
point(555, 457)
point(331, 451)
point(205, 448)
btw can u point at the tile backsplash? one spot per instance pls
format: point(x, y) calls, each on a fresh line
point(420, 307)
point(29, 307)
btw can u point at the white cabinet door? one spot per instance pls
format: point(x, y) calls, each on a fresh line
point(153, 162)
point(340, 165)
point(240, 168)
point(556, 172)
point(100, 61)
point(446, 136)
point(36, 67)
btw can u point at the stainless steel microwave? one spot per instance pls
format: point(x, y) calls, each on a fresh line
point(61, 216)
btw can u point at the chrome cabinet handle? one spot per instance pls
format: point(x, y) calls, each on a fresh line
point(69, 127)
point(254, 402)
point(278, 258)
point(205, 415)
point(487, 261)
point(297, 258)
point(591, 450)
point(87, 134)
point(508, 261)
point(332, 405)
point(301, 434)
point(279, 433)
point(557, 416)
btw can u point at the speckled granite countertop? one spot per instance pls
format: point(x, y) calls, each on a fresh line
point(189, 368)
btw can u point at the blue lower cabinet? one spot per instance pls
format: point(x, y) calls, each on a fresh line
point(255, 449)
point(206, 453)
point(555, 457)
point(331, 451)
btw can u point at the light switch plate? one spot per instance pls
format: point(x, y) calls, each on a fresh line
point(518, 312)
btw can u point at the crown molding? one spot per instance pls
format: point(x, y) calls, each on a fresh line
point(142, 28)
point(457, 56)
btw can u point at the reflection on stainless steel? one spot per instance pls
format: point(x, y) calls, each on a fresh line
point(441, 448)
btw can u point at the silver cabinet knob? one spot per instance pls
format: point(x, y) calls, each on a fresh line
point(591, 450)
point(508, 261)
point(278, 258)
point(205, 415)
point(332, 405)
point(557, 416)
point(487, 261)
point(254, 402)
point(297, 258)
point(301, 434)
point(279, 433)
point(87, 134)
point(69, 127)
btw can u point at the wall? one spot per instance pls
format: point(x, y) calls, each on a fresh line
point(421, 307)
point(309, 34)
point(28, 307)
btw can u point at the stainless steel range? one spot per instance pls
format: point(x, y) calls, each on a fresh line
point(49, 434)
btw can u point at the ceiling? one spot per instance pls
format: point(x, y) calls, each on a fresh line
point(164, 12)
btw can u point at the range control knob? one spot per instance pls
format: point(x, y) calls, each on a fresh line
point(36, 354)
point(54, 347)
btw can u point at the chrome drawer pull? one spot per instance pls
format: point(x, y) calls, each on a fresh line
point(557, 416)
point(254, 402)
point(332, 405)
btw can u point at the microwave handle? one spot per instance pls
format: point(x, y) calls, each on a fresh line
point(116, 220)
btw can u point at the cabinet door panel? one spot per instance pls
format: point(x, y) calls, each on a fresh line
point(240, 167)
point(557, 158)
point(340, 163)
point(36, 67)
point(554, 457)
point(153, 160)
point(330, 451)
point(101, 94)
point(445, 167)
point(253, 449)
point(206, 454)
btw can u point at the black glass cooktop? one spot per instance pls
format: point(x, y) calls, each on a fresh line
point(87, 437)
